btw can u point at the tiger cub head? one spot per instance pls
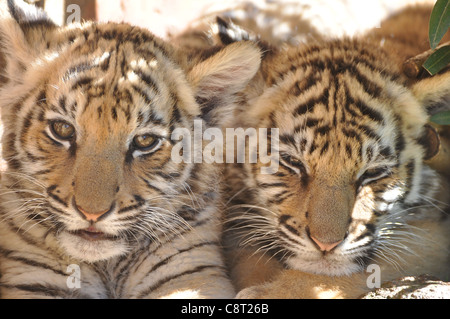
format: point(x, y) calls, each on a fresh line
point(88, 112)
point(351, 155)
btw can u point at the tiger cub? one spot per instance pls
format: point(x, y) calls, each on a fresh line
point(92, 204)
point(350, 203)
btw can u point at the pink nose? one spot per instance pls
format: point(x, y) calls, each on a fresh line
point(325, 246)
point(91, 216)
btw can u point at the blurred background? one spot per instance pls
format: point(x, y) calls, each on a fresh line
point(168, 17)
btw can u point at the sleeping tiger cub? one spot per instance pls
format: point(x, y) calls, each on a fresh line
point(352, 203)
point(91, 203)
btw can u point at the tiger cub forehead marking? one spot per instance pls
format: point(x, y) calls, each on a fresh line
point(123, 71)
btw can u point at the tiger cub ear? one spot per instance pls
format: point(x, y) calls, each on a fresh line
point(23, 30)
point(218, 79)
point(26, 14)
point(433, 94)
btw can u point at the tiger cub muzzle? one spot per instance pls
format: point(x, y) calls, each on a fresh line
point(326, 217)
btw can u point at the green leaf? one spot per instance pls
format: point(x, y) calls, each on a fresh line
point(439, 22)
point(438, 60)
point(442, 118)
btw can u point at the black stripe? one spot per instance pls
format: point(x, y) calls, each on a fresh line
point(127, 261)
point(147, 80)
point(352, 134)
point(312, 148)
point(368, 232)
point(27, 122)
point(62, 103)
point(369, 112)
point(152, 187)
point(131, 207)
point(410, 171)
point(43, 172)
point(165, 175)
point(55, 197)
point(309, 105)
point(312, 122)
point(369, 86)
point(114, 113)
point(153, 119)
point(176, 115)
point(289, 240)
point(369, 153)
point(34, 158)
point(305, 84)
point(348, 150)
point(73, 108)
point(400, 142)
point(280, 197)
point(187, 213)
point(31, 240)
point(304, 108)
point(269, 185)
point(41, 98)
point(386, 151)
point(369, 132)
point(75, 70)
point(166, 260)
point(143, 94)
point(83, 81)
point(41, 289)
point(283, 221)
point(33, 263)
point(288, 139)
point(323, 130)
point(324, 148)
point(57, 210)
point(287, 167)
point(162, 282)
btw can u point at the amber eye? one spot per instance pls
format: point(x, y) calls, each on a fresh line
point(62, 130)
point(146, 142)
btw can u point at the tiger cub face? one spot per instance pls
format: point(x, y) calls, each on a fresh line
point(88, 113)
point(351, 174)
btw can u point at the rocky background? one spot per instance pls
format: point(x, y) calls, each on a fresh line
point(419, 287)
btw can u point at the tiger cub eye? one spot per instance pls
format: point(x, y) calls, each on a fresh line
point(62, 130)
point(145, 142)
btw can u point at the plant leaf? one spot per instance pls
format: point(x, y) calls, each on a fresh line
point(442, 118)
point(439, 22)
point(438, 60)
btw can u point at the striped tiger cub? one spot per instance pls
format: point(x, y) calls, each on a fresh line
point(353, 202)
point(91, 203)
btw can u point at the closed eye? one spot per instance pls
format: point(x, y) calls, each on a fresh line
point(293, 163)
point(373, 174)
